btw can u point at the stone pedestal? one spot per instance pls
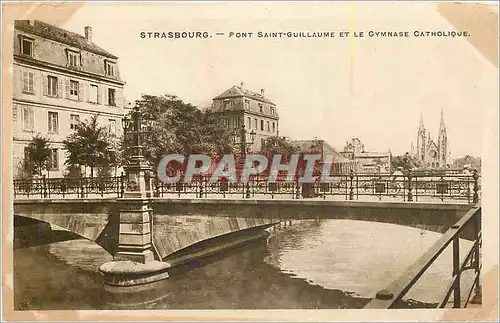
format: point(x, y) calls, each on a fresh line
point(136, 227)
point(135, 234)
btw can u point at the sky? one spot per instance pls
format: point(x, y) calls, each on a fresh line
point(334, 89)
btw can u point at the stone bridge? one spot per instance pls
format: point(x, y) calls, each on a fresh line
point(179, 224)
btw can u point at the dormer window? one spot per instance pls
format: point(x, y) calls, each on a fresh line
point(73, 59)
point(27, 46)
point(109, 68)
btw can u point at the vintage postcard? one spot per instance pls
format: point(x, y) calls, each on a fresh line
point(250, 161)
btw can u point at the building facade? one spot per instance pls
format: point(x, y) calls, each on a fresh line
point(340, 164)
point(367, 162)
point(60, 78)
point(429, 153)
point(239, 106)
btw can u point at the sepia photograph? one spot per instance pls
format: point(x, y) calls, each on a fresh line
point(184, 160)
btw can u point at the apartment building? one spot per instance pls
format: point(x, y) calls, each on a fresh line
point(60, 78)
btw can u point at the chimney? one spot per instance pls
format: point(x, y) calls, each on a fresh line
point(242, 84)
point(262, 92)
point(88, 33)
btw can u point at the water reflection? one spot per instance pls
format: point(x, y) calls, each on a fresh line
point(308, 264)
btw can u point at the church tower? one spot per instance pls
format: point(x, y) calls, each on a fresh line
point(421, 147)
point(442, 143)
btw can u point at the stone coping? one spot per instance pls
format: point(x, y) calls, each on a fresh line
point(267, 202)
point(127, 267)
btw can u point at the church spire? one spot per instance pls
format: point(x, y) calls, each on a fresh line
point(421, 122)
point(442, 127)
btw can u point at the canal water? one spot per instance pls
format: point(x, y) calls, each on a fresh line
point(313, 264)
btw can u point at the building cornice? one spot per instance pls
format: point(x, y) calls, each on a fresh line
point(37, 63)
point(69, 108)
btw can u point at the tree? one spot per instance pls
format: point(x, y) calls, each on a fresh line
point(176, 127)
point(91, 145)
point(469, 161)
point(38, 155)
point(277, 145)
point(406, 162)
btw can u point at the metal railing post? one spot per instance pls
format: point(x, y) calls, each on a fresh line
point(122, 185)
point(475, 197)
point(456, 271)
point(477, 262)
point(82, 186)
point(351, 188)
point(410, 194)
point(44, 183)
point(248, 190)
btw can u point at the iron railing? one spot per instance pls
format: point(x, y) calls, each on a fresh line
point(393, 295)
point(82, 187)
point(406, 187)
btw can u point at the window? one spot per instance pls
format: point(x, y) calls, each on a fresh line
point(54, 159)
point(53, 122)
point(274, 127)
point(28, 118)
point(112, 126)
point(73, 59)
point(26, 153)
point(111, 97)
point(52, 85)
point(255, 123)
point(27, 46)
point(73, 89)
point(109, 68)
point(260, 107)
point(73, 121)
point(226, 121)
point(93, 95)
point(268, 127)
point(262, 125)
point(247, 104)
point(28, 81)
point(272, 111)
point(249, 123)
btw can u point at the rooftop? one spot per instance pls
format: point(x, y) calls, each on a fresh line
point(54, 33)
point(240, 91)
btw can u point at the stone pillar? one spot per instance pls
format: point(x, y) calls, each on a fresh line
point(135, 233)
point(135, 240)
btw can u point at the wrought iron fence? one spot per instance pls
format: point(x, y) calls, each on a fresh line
point(82, 187)
point(405, 187)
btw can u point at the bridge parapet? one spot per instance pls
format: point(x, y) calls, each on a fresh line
point(392, 295)
point(404, 187)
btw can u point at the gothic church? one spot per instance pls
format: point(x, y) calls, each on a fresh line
point(429, 153)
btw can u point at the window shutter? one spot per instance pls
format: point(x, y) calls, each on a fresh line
point(36, 80)
point(49, 123)
point(45, 84)
point(23, 78)
point(66, 81)
point(105, 95)
point(81, 91)
point(31, 118)
point(99, 95)
point(60, 81)
point(14, 112)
